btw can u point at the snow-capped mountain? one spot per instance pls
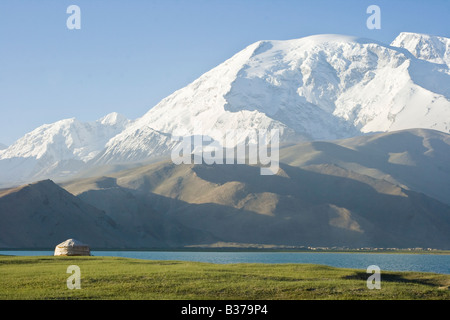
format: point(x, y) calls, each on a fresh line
point(318, 87)
point(58, 149)
point(426, 47)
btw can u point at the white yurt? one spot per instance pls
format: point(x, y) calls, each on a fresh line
point(72, 247)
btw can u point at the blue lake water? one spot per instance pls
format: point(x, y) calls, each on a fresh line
point(387, 262)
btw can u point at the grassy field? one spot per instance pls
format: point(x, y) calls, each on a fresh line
point(45, 278)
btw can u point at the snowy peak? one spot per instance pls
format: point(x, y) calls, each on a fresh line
point(58, 149)
point(310, 85)
point(36, 142)
point(426, 47)
point(318, 87)
point(67, 139)
point(114, 119)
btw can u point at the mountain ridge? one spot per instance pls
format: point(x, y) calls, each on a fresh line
point(435, 49)
point(364, 191)
point(321, 87)
point(58, 149)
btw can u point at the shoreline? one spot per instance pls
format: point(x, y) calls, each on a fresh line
point(257, 250)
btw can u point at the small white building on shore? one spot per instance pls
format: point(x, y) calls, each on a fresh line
point(72, 247)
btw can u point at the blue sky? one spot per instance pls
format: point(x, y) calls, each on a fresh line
point(128, 55)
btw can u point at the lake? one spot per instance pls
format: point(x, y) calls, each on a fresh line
point(388, 262)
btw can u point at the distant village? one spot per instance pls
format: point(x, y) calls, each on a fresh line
point(368, 249)
point(246, 246)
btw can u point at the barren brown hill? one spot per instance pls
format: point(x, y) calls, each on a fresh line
point(416, 159)
point(234, 203)
point(43, 214)
point(386, 190)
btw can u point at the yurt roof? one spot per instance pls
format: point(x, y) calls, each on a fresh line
point(72, 243)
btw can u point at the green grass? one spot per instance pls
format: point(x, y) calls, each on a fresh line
point(123, 278)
